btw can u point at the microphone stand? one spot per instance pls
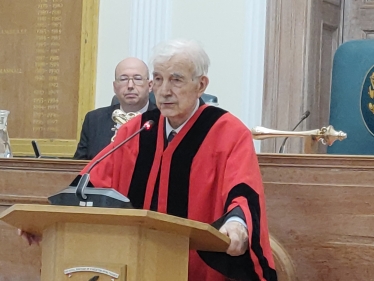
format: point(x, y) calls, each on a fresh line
point(82, 184)
point(305, 115)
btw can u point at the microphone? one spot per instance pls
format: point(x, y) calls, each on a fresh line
point(36, 149)
point(37, 152)
point(82, 184)
point(303, 117)
point(108, 197)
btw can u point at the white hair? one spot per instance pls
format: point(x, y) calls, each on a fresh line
point(190, 48)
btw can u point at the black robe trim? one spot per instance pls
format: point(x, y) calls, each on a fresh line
point(180, 166)
point(143, 165)
point(241, 268)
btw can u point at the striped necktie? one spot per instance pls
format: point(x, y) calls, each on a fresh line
point(171, 136)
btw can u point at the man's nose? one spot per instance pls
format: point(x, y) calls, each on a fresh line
point(161, 94)
point(164, 89)
point(130, 84)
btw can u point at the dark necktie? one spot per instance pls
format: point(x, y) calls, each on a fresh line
point(171, 136)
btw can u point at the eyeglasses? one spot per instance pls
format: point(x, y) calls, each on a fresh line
point(136, 79)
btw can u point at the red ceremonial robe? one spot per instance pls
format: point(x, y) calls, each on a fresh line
point(208, 169)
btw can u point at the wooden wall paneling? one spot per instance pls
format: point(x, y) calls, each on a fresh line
point(322, 41)
point(358, 20)
point(301, 38)
point(28, 181)
point(31, 180)
point(366, 19)
point(284, 67)
point(337, 3)
point(319, 208)
point(49, 71)
point(87, 81)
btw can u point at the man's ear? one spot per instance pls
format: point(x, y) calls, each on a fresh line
point(150, 85)
point(114, 87)
point(203, 84)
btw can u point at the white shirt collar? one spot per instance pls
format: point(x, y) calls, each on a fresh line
point(169, 128)
point(141, 111)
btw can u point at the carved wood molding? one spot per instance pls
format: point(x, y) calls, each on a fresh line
point(333, 2)
point(46, 165)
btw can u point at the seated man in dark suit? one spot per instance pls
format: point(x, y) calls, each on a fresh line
point(132, 87)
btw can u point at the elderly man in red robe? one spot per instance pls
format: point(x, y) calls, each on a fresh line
point(196, 162)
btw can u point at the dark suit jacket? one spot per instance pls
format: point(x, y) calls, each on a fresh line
point(97, 131)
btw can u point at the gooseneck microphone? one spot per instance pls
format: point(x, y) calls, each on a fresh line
point(82, 184)
point(303, 117)
point(36, 149)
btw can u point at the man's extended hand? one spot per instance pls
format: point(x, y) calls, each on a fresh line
point(238, 235)
point(30, 238)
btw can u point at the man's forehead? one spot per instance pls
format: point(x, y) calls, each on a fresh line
point(133, 69)
point(170, 72)
point(173, 67)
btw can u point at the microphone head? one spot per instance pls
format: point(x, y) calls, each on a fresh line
point(306, 114)
point(148, 125)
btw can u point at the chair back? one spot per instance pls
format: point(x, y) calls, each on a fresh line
point(352, 97)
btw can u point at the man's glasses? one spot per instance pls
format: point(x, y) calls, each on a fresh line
point(136, 79)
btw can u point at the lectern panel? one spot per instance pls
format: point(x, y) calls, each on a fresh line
point(18, 261)
point(131, 253)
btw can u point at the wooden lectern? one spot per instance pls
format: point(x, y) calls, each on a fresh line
point(88, 243)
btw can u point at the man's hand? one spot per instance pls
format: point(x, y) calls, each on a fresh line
point(30, 238)
point(238, 235)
